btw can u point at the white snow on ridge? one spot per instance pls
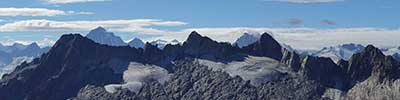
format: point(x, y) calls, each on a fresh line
point(15, 62)
point(247, 39)
point(256, 69)
point(336, 53)
point(136, 74)
point(162, 43)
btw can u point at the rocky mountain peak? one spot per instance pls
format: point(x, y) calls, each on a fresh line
point(372, 51)
point(136, 43)
point(267, 46)
point(194, 36)
point(371, 62)
point(100, 35)
point(99, 29)
point(323, 70)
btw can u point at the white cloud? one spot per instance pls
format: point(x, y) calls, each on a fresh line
point(36, 12)
point(306, 1)
point(71, 1)
point(133, 25)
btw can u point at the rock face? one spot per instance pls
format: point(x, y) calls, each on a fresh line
point(396, 56)
point(203, 47)
point(267, 46)
point(372, 62)
point(136, 43)
point(100, 35)
point(193, 81)
point(323, 70)
point(73, 62)
point(292, 59)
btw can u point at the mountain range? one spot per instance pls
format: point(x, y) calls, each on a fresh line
point(11, 56)
point(84, 68)
point(100, 35)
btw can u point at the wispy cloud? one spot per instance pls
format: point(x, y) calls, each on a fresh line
point(306, 1)
point(328, 22)
point(71, 1)
point(132, 25)
point(36, 12)
point(295, 22)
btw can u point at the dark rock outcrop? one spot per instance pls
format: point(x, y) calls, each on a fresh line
point(396, 56)
point(372, 62)
point(193, 81)
point(292, 59)
point(267, 46)
point(72, 63)
point(323, 70)
point(203, 47)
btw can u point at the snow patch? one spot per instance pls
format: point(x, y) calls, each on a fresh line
point(256, 69)
point(15, 62)
point(138, 73)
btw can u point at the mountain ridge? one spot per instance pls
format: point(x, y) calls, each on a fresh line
point(72, 66)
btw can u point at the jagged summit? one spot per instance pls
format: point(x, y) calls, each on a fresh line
point(371, 62)
point(373, 51)
point(136, 42)
point(266, 46)
point(193, 36)
point(267, 37)
point(100, 35)
point(99, 29)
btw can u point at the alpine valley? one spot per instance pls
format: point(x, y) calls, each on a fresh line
point(101, 66)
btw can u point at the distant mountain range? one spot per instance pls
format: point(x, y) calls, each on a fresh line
point(254, 67)
point(100, 35)
point(12, 56)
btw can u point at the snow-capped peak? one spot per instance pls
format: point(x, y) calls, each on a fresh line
point(162, 43)
point(247, 39)
point(391, 51)
point(100, 35)
point(338, 52)
point(136, 43)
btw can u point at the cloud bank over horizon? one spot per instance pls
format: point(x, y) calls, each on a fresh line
point(298, 38)
point(38, 12)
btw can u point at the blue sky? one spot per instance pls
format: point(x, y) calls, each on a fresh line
point(192, 15)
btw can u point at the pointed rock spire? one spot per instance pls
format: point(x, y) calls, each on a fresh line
point(267, 46)
point(100, 35)
point(136, 43)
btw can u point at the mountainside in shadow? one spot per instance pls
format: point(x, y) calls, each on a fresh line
point(78, 68)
